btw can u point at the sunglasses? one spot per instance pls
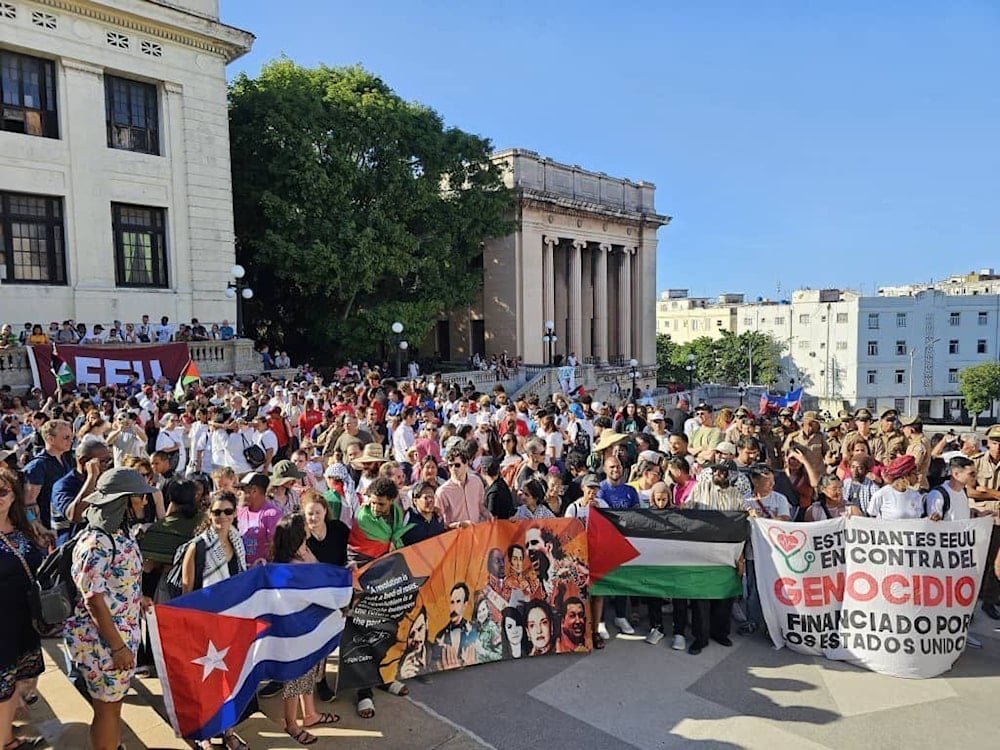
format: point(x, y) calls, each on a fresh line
point(220, 511)
point(456, 465)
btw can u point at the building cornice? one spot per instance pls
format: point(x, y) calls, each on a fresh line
point(224, 41)
point(587, 210)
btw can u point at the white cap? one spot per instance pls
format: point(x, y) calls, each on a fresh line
point(726, 447)
point(658, 416)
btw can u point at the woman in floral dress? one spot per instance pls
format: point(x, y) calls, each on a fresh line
point(103, 633)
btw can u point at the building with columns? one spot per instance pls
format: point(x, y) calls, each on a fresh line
point(115, 180)
point(583, 256)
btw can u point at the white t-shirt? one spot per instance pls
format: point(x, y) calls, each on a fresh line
point(959, 504)
point(200, 442)
point(578, 510)
point(892, 505)
point(234, 450)
point(268, 441)
point(775, 505)
point(170, 438)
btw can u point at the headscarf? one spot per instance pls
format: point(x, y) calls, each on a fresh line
point(107, 517)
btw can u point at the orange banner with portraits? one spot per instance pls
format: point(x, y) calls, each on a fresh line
point(490, 592)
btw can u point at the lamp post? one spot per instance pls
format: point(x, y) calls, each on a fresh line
point(742, 390)
point(634, 365)
point(550, 338)
point(690, 368)
point(238, 290)
point(401, 346)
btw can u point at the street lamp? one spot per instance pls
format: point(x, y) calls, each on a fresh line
point(238, 290)
point(401, 346)
point(634, 364)
point(743, 390)
point(690, 368)
point(550, 338)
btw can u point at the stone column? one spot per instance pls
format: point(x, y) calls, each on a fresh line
point(548, 282)
point(574, 292)
point(625, 302)
point(601, 304)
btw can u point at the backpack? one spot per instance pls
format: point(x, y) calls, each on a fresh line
point(253, 454)
point(174, 583)
point(581, 443)
point(54, 578)
point(946, 496)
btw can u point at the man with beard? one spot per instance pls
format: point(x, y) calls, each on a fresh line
point(573, 635)
point(711, 617)
point(560, 576)
point(457, 639)
point(416, 654)
point(538, 623)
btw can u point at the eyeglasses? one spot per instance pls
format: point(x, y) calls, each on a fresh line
point(456, 465)
point(220, 511)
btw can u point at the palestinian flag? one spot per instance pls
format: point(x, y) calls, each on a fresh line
point(188, 376)
point(63, 372)
point(687, 554)
point(372, 536)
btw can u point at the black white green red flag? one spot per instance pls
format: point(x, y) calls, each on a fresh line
point(687, 554)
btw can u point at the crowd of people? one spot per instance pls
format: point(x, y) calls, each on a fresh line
point(161, 497)
point(143, 332)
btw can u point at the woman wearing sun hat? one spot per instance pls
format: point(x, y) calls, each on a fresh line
point(104, 628)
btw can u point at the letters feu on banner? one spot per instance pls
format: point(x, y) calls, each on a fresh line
point(490, 592)
point(893, 596)
point(110, 365)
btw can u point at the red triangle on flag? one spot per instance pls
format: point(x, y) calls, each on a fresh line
point(607, 546)
point(203, 656)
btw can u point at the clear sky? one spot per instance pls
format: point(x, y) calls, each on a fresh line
point(851, 143)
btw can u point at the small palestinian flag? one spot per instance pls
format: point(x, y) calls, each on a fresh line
point(188, 376)
point(63, 373)
point(684, 554)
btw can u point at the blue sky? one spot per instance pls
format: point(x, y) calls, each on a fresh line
point(851, 144)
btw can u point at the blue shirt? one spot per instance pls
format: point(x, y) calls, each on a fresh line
point(422, 528)
point(621, 497)
point(226, 333)
point(64, 491)
point(43, 471)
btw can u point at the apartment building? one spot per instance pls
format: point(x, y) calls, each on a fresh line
point(685, 318)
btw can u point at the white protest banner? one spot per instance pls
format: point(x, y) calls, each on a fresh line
point(893, 596)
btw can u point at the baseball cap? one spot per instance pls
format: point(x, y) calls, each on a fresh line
point(590, 480)
point(726, 447)
point(255, 479)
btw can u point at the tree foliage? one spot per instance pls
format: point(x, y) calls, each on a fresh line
point(726, 360)
point(354, 208)
point(980, 385)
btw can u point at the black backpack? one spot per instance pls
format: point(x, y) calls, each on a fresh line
point(54, 578)
point(581, 443)
point(939, 489)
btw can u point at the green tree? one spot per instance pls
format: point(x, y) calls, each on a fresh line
point(726, 360)
point(668, 368)
point(354, 208)
point(980, 385)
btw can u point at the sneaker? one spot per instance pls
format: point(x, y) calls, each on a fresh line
point(602, 631)
point(324, 692)
point(654, 636)
point(747, 628)
point(624, 626)
point(972, 641)
point(678, 644)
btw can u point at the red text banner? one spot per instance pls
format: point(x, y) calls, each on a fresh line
point(893, 596)
point(109, 365)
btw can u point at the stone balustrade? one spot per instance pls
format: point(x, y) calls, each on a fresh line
point(213, 358)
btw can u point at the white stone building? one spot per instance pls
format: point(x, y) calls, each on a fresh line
point(115, 182)
point(897, 350)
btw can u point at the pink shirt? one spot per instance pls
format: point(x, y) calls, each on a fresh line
point(257, 529)
point(462, 502)
point(683, 491)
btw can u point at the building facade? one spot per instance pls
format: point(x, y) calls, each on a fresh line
point(583, 257)
point(115, 182)
point(895, 350)
point(684, 318)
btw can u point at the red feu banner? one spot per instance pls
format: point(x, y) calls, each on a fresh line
point(109, 365)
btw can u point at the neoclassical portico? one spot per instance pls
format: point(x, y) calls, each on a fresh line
point(583, 256)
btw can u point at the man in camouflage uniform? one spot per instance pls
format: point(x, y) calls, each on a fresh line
point(834, 436)
point(918, 446)
point(810, 442)
point(986, 500)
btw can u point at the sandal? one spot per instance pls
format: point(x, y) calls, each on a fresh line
point(324, 719)
point(366, 708)
point(23, 743)
point(395, 688)
point(302, 737)
point(235, 742)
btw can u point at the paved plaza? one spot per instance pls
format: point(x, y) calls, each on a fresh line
point(630, 695)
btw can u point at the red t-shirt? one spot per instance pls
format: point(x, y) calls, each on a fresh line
point(308, 420)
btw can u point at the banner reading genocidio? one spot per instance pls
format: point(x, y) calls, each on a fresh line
point(893, 596)
point(486, 593)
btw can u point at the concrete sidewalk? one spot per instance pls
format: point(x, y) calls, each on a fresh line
point(63, 717)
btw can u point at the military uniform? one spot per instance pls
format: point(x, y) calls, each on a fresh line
point(919, 447)
point(890, 443)
point(834, 442)
point(812, 448)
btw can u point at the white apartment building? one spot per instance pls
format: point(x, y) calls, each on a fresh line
point(115, 182)
point(850, 351)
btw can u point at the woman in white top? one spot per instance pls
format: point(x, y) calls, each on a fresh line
point(170, 439)
point(897, 499)
point(580, 508)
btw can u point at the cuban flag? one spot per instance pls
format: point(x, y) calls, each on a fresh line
point(214, 646)
point(770, 404)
